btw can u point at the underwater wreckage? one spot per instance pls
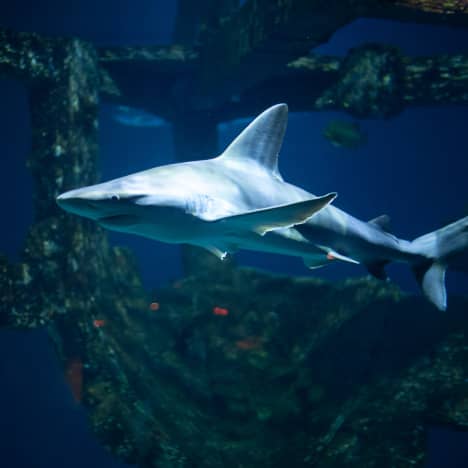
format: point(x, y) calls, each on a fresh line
point(182, 388)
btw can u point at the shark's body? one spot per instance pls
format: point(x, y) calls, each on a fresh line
point(240, 201)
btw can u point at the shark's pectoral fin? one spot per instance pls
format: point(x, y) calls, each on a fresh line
point(284, 216)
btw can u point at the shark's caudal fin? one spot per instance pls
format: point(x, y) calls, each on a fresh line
point(262, 139)
point(444, 248)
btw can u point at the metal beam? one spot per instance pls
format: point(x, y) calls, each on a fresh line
point(265, 35)
point(309, 83)
point(151, 78)
point(262, 38)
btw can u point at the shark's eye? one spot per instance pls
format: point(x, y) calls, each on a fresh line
point(115, 197)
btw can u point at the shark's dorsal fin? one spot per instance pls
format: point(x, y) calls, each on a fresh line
point(262, 139)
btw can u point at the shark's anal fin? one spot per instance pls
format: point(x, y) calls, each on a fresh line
point(284, 216)
point(313, 263)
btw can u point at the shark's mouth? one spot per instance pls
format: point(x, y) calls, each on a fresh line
point(118, 221)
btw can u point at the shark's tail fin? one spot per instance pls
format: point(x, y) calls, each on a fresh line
point(441, 249)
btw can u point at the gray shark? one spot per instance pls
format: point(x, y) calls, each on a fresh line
point(239, 200)
point(133, 117)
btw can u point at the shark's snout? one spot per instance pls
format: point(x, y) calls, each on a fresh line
point(64, 200)
point(74, 203)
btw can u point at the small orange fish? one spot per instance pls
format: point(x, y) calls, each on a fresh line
point(221, 311)
point(99, 323)
point(154, 306)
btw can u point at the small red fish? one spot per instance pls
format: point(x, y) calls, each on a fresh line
point(220, 311)
point(154, 306)
point(99, 323)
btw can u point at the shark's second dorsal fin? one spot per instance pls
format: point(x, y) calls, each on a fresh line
point(262, 139)
point(382, 222)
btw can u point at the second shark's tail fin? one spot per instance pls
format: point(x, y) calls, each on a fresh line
point(441, 249)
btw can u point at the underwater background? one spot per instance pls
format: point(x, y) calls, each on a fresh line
point(411, 166)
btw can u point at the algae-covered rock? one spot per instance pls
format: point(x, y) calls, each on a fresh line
point(245, 367)
point(370, 83)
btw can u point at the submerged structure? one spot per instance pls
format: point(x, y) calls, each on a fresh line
point(228, 366)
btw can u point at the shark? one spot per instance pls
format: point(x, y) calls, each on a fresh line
point(239, 200)
point(133, 117)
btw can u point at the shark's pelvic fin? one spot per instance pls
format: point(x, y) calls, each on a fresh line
point(284, 216)
point(315, 262)
point(220, 253)
point(262, 139)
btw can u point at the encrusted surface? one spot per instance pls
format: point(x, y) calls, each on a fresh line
point(372, 80)
point(447, 7)
point(238, 367)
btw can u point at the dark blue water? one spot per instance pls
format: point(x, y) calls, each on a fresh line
point(102, 22)
point(413, 168)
